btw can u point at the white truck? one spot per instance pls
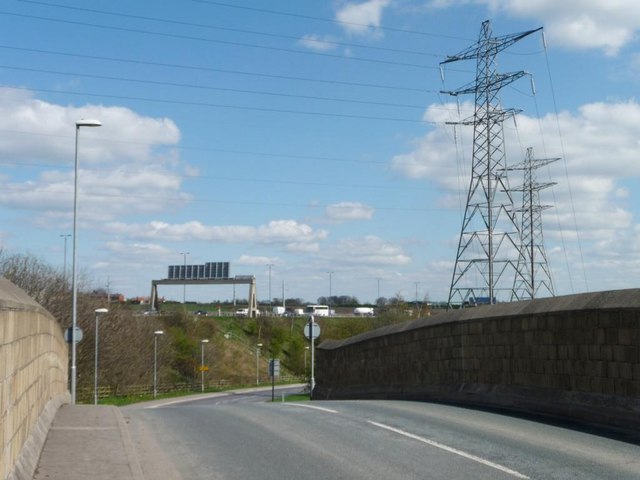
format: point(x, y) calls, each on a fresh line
point(317, 310)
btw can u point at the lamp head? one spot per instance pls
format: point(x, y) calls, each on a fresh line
point(159, 332)
point(101, 311)
point(88, 123)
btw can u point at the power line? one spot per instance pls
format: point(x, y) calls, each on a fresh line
point(211, 69)
point(220, 42)
point(278, 155)
point(155, 198)
point(324, 19)
point(226, 106)
point(227, 29)
point(222, 89)
point(269, 181)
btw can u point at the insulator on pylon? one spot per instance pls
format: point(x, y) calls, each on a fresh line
point(533, 86)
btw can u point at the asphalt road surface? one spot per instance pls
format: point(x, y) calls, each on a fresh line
point(245, 436)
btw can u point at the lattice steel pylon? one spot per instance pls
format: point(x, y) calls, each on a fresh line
point(489, 247)
point(535, 276)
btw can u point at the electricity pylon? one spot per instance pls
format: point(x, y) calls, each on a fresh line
point(535, 275)
point(489, 247)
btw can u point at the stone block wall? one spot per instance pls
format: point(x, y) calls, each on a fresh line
point(575, 357)
point(33, 379)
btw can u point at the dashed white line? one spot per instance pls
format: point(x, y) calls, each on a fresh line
point(446, 448)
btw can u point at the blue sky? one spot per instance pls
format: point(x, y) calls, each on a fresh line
point(310, 136)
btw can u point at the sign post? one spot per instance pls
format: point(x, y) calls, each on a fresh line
point(274, 371)
point(312, 331)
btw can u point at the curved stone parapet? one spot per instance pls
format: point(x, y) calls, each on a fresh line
point(33, 379)
point(576, 357)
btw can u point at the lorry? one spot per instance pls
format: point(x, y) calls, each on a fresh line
point(363, 311)
point(317, 310)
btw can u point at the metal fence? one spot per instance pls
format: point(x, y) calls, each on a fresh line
point(86, 394)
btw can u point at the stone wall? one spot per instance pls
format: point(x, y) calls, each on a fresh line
point(33, 379)
point(576, 357)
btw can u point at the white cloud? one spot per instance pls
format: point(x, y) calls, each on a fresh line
point(366, 252)
point(124, 136)
point(276, 231)
point(124, 167)
point(256, 260)
point(130, 251)
point(362, 18)
point(318, 43)
point(600, 145)
point(580, 24)
point(346, 211)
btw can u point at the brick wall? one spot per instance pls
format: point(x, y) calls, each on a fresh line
point(575, 356)
point(33, 379)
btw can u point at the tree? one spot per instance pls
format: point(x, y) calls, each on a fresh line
point(40, 281)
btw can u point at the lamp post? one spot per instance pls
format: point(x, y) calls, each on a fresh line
point(156, 334)
point(184, 285)
point(257, 363)
point(64, 264)
point(202, 342)
point(306, 349)
point(74, 302)
point(99, 312)
point(270, 302)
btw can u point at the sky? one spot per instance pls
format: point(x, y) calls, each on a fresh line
point(308, 143)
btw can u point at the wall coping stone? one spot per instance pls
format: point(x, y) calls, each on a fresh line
point(606, 300)
point(14, 298)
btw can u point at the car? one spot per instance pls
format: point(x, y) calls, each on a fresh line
point(242, 312)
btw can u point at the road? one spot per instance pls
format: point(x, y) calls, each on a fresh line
point(248, 437)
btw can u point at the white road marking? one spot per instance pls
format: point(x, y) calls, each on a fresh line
point(185, 399)
point(455, 451)
point(314, 407)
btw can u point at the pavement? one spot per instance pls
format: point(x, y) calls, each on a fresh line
point(89, 442)
point(100, 442)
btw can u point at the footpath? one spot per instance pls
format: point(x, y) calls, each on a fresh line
point(88, 442)
point(104, 442)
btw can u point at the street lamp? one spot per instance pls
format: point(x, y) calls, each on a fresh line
point(257, 363)
point(270, 302)
point(99, 312)
point(74, 302)
point(202, 342)
point(184, 285)
point(156, 334)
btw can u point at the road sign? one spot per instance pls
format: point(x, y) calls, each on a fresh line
point(308, 332)
point(67, 334)
point(203, 368)
point(274, 367)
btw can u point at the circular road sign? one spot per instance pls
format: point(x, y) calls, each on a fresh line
point(67, 334)
point(316, 330)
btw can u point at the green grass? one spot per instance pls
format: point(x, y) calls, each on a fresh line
point(121, 401)
point(296, 398)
